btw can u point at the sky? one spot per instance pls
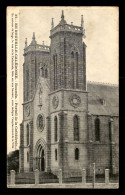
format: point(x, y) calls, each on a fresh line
point(101, 29)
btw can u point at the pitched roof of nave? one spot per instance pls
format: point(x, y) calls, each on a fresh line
point(103, 99)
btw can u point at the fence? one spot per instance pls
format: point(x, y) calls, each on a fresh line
point(37, 177)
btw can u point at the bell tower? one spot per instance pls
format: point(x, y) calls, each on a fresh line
point(68, 96)
point(68, 56)
point(29, 69)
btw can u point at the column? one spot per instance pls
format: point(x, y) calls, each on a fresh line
point(84, 66)
point(48, 149)
point(60, 176)
point(93, 175)
point(113, 158)
point(12, 177)
point(62, 62)
point(112, 129)
point(83, 176)
point(36, 176)
point(21, 161)
point(90, 133)
point(90, 144)
point(31, 146)
point(65, 141)
point(112, 148)
point(106, 176)
point(60, 143)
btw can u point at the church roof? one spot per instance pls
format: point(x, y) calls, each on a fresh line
point(103, 99)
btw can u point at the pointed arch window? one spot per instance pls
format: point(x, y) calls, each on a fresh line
point(27, 84)
point(72, 66)
point(77, 70)
point(110, 138)
point(55, 154)
point(56, 127)
point(28, 135)
point(27, 156)
point(76, 128)
point(55, 71)
point(97, 129)
point(76, 154)
point(46, 73)
point(42, 71)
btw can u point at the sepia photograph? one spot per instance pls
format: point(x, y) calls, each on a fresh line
point(63, 97)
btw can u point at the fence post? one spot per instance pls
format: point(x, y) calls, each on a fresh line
point(36, 176)
point(12, 177)
point(93, 182)
point(60, 176)
point(83, 176)
point(106, 176)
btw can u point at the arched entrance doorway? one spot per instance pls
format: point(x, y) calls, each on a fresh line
point(41, 158)
point(40, 155)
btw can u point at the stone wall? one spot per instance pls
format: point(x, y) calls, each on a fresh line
point(44, 111)
point(100, 151)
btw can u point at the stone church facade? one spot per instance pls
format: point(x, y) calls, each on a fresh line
point(68, 123)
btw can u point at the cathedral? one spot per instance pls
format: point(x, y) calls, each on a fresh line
point(68, 123)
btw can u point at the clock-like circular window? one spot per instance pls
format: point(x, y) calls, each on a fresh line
point(40, 122)
point(75, 100)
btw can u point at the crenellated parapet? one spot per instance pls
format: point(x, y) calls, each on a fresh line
point(67, 28)
point(34, 47)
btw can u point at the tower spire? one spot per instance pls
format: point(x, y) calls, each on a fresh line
point(62, 16)
point(33, 38)
point(25, 42)
point(62, 22)
point(52, 23)
point(82, 21)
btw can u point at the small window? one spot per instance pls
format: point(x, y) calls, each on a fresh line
point(102, 101)
point(55, 154)
point(40, 122)
point(97, 129)
point(55, 124)
point(77, 70)
point(76, 154)
point(28, 136)
point(73, 68)
point(42, 72)
point(110, 138)
point(76, 128)
point(27, 156)
point(46, 73)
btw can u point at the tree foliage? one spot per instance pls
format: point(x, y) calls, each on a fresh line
point(13, 161)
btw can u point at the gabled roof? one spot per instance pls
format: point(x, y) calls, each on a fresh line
point(108, 93)
point(42, 80)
